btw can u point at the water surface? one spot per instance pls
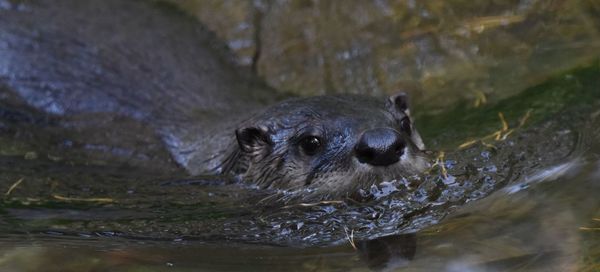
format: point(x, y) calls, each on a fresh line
point(516, 192)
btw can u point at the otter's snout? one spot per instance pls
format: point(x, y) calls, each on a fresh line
point(380, 147)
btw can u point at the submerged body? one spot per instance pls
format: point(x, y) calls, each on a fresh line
point(151, 76)
point(124, 62)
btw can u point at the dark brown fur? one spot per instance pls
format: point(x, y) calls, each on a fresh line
point(122, 63)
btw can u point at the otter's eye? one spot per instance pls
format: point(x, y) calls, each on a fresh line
point(405, 125)
point(310, 145)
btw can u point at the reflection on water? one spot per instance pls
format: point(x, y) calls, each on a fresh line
point(549, 225)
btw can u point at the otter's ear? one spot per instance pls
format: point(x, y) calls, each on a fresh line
point(254, 140)
point(400, 102)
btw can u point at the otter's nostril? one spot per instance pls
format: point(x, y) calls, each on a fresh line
point(364, 155)
point(379, 147)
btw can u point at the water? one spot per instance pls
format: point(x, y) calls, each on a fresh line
point(515, 183)
point(527, 201)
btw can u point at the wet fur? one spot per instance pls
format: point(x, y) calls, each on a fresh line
point(273, 159)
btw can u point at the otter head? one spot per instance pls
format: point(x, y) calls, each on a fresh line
point(330, 145)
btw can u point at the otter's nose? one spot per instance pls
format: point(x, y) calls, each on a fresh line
point(379, 147)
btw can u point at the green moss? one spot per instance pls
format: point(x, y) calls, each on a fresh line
point(579, 88)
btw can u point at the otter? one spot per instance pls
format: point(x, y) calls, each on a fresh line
point(328, 144)
point(117, 63)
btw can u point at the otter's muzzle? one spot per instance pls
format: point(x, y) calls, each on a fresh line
point(380, 147)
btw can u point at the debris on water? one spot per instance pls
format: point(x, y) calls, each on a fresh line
point(589, 229)
point(12, 187)
point(324, 202)
point(525, 117)
point(77, 199)
point(440, 163)
point(499, 135)
point(480, 99)
point(350, 237)
point(467, 144)
point(503, 121)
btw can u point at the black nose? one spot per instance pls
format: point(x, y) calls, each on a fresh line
point(379, 147)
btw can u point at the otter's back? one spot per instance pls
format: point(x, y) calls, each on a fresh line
point(137, 58)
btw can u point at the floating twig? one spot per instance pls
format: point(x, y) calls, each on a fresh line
point(12, 187)
point(77, 199)
point(439, 162)
point(350, 238)
point(480, 100)
point(499, 135)
point(326, 202)
point(525, 118)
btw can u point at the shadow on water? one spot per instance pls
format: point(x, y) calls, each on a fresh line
point(525, 198)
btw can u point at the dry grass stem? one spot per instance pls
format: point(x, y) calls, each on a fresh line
point(77, 199)
point(12, 187)
point(324, 202)
point(589, 229)
point(350, 238)
point(499, 135)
